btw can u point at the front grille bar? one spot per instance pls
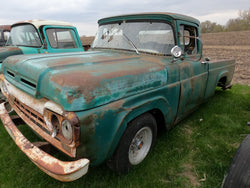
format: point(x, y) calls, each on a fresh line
point(37, 123)
point(35, 117)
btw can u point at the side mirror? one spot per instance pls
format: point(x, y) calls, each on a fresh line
point(207, 59)
point(176, 51)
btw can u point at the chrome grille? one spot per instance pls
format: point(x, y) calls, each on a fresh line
point(37, 122)
point(32, 115)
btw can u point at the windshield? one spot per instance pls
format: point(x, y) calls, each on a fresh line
point(149, 37)
point(24, 35)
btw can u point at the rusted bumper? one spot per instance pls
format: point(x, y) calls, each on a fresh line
point(60, 170)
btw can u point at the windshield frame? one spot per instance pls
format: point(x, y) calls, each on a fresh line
point(35, 31)
point(169, 26)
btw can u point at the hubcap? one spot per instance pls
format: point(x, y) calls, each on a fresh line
point(140, 145)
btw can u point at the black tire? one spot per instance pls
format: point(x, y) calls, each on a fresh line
point(238, 175)
point(121, 160)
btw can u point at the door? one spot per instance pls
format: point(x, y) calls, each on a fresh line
point(193, 73)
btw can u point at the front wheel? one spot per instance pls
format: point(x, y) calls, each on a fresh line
point(135, 144)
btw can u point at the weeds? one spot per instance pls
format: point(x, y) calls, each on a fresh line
point(196, 153)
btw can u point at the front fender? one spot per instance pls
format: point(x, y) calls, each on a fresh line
point(133, 112)
point(102, 127)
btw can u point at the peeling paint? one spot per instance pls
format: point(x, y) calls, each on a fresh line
point(98, 93)
point(63, 171)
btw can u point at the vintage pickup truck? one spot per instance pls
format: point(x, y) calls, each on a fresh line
point(144, 73)
point(4, 34)
point(41, 36)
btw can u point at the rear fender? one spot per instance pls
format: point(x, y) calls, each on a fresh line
point(224, 73)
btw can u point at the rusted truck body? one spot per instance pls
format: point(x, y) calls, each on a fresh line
point(144, 73)
point(4, 34)
point(41, 36)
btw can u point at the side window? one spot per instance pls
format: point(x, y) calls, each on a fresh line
point(188, 39)
point(61, 38)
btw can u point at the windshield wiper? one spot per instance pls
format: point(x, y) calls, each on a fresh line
point(131, 42)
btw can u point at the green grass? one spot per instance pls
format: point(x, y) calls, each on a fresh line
point(195, 153)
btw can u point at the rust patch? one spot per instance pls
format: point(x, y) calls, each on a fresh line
point(89, 78)
point(89, 120)
point(28, 145)
point(89, 125)
point(65, 61)
point(114, 105)
point(57, 168)
point(155, 59)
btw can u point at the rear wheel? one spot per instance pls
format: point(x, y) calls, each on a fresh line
point(135, 144)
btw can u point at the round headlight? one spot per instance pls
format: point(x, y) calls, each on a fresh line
point(55, 125)
point(3, 87)
point(67, 129)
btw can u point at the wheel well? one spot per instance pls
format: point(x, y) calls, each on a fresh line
point(222, 82)
point(160, 120)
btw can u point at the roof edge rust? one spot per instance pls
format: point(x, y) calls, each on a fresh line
point(149, 15)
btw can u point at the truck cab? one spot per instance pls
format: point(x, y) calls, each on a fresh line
point(41, 36)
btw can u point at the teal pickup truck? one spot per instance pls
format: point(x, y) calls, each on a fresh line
point(41, 36)
point(144, 73)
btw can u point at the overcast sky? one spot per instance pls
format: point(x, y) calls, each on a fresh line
point(84, 13)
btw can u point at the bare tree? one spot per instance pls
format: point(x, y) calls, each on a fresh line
point(240, 23)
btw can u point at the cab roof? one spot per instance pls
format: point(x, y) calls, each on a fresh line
point(38, 23)
point(150, 16)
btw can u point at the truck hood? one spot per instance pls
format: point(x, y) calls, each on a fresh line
point(9, 51)
point(79, 81)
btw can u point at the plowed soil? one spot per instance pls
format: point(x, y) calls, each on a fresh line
point(230, 45)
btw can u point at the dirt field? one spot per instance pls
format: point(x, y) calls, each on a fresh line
point(230, 45)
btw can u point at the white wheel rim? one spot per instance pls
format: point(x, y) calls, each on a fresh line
point(140, 145)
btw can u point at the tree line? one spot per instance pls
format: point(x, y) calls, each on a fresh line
point(238, 24)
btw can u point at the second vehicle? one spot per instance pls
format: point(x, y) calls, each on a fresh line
point(41, 36)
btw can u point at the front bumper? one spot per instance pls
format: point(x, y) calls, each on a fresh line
point(60, 170)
